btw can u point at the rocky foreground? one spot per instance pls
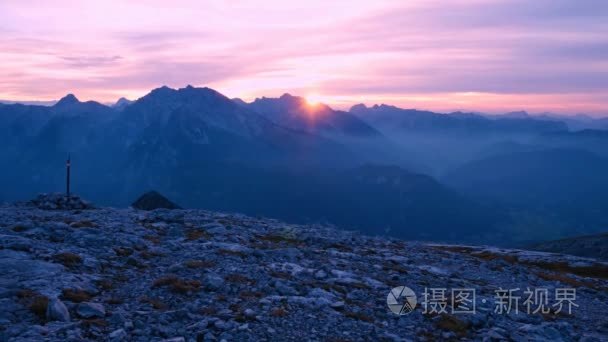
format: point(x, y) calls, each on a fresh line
point(189, 275)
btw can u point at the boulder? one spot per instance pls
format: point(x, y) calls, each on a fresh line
point(90, 310)
point(57, 311)
point(153, 200)
point(118, 335)
point(213, 281)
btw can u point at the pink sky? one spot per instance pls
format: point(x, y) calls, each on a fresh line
point(479, 55)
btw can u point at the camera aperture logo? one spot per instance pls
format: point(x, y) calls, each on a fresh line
point(401, 300)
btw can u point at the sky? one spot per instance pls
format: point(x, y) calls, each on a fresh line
point(474, 55)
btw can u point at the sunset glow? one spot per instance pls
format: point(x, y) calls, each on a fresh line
point(549, 55)
point(313, 99)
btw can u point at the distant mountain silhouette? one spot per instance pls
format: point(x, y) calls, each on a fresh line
point(296, 113)
point(440, 142)
point(557, 192)
point(547, 176)
point(319, 119)
point(593, 140)
point(68, 100)
point(142, 145)
point(122, 103)
point(200, 121)
point(514, 115)
point(590, 246)
point(393, 118)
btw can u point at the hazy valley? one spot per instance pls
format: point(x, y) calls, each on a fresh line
point(463, 177)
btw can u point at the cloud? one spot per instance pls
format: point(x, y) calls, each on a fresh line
point(89, 61)
point(549, 50)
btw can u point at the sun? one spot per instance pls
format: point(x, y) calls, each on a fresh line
point(313, 99)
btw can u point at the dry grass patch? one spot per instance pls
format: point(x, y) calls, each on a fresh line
point(38, 306)
point(155, 239)
point(195, 234)
point(26, 293)
point(334, 287)
point(164, 281)
point(359, 286)
point(553, 315)
point(281, 275)
point(455, 249)
point(147, 255)
point(155, 303)
point(276, 238)
point(177, 285)
point(19, 228)
point(114, 301)
point(489, 256)
point(453, 324)
point(279, 312)
point(121, 278)
point(104, 284)
point(340, 247)
point(483, 255)
point(35, 302)
point(68, 259)
point(598, 271)
point(83, 224)
point(209, 310)
point(248, 295)
point(358, 316)
point(239, 279)
point(564, 279)
point(123, 251)
point(75, 295)
point(186, 286)
point(199, 263)
point(369, 252)
point(229, 252)
point(394, 266)
point(133, 262)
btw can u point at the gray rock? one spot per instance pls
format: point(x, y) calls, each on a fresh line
point(222, 325)
point(118, 335)
point(284, 289)
point(249, 313)
point(57, 311)
point(337, 305)
point(216, 229)
point(320, 274)
point(90, 310)
point(213, 281)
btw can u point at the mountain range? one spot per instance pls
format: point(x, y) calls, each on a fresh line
point(380, 169)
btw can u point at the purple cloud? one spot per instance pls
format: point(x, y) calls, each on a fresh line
point(544, 54)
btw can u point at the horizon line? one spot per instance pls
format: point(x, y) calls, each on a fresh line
point(334, 106)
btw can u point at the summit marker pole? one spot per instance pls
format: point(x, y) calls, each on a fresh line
point(67, 181)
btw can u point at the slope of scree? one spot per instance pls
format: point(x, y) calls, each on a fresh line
point(188, 275)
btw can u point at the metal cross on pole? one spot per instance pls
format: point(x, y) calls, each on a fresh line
point(67, 181)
